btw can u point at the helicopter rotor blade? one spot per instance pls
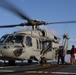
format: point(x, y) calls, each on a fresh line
point(74, 21)
point(9, 26)
point(38, 23)
point(13, 9)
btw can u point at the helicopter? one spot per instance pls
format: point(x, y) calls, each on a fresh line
point(35, 44)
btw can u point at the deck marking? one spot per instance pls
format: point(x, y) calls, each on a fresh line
point(7, 71)
point(63, 73)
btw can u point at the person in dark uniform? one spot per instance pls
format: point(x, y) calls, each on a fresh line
point(61, 55)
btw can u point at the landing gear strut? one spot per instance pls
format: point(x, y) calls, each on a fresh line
point(11, 62)
point(29, 61)
point(43, 60)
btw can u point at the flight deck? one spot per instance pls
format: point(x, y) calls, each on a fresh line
point(50, 69)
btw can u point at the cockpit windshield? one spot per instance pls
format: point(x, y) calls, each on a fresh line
point(2, 39)
point(17, 38)
point(12, 38)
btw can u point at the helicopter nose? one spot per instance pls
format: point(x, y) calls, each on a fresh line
point(1, 52)
point(1, 48)
point(5, 50)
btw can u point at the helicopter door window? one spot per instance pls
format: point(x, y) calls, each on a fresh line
point(28, 41)
point(40, 43)
point(37, 44)
point(47, 45)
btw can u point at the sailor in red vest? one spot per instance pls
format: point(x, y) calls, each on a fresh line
point(73, 53)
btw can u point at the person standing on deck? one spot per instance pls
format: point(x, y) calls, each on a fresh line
point(61, 55)
point(73, 54)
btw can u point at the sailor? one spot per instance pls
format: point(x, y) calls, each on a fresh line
point(61, 54)
point(73, 54)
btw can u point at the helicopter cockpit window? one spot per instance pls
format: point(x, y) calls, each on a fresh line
point(28, 41)
point(3, 38)
point(14, 38)
point(8, 39)
point(18, 38)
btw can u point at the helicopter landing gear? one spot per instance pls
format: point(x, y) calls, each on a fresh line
point(43, 60)
point(29, 61)
point(11, 62)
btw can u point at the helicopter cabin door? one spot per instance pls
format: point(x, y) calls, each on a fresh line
point(32, 46)
point(47, 49)
point(28, 46)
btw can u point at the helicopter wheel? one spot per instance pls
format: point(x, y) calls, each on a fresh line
point(43, 60)
point(11, 62)
point(29, 61)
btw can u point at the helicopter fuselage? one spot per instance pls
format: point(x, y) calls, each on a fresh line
point(28, 44)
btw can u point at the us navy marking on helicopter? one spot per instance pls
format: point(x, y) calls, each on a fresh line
point(35, 44)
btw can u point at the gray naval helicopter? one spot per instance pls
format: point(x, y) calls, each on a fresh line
point(35, 44)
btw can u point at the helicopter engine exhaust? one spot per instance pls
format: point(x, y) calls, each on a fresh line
point(50, 36)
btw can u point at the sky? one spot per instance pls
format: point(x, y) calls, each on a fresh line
point(43, 10)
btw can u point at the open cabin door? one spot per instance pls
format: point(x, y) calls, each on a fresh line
point(49, 49)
